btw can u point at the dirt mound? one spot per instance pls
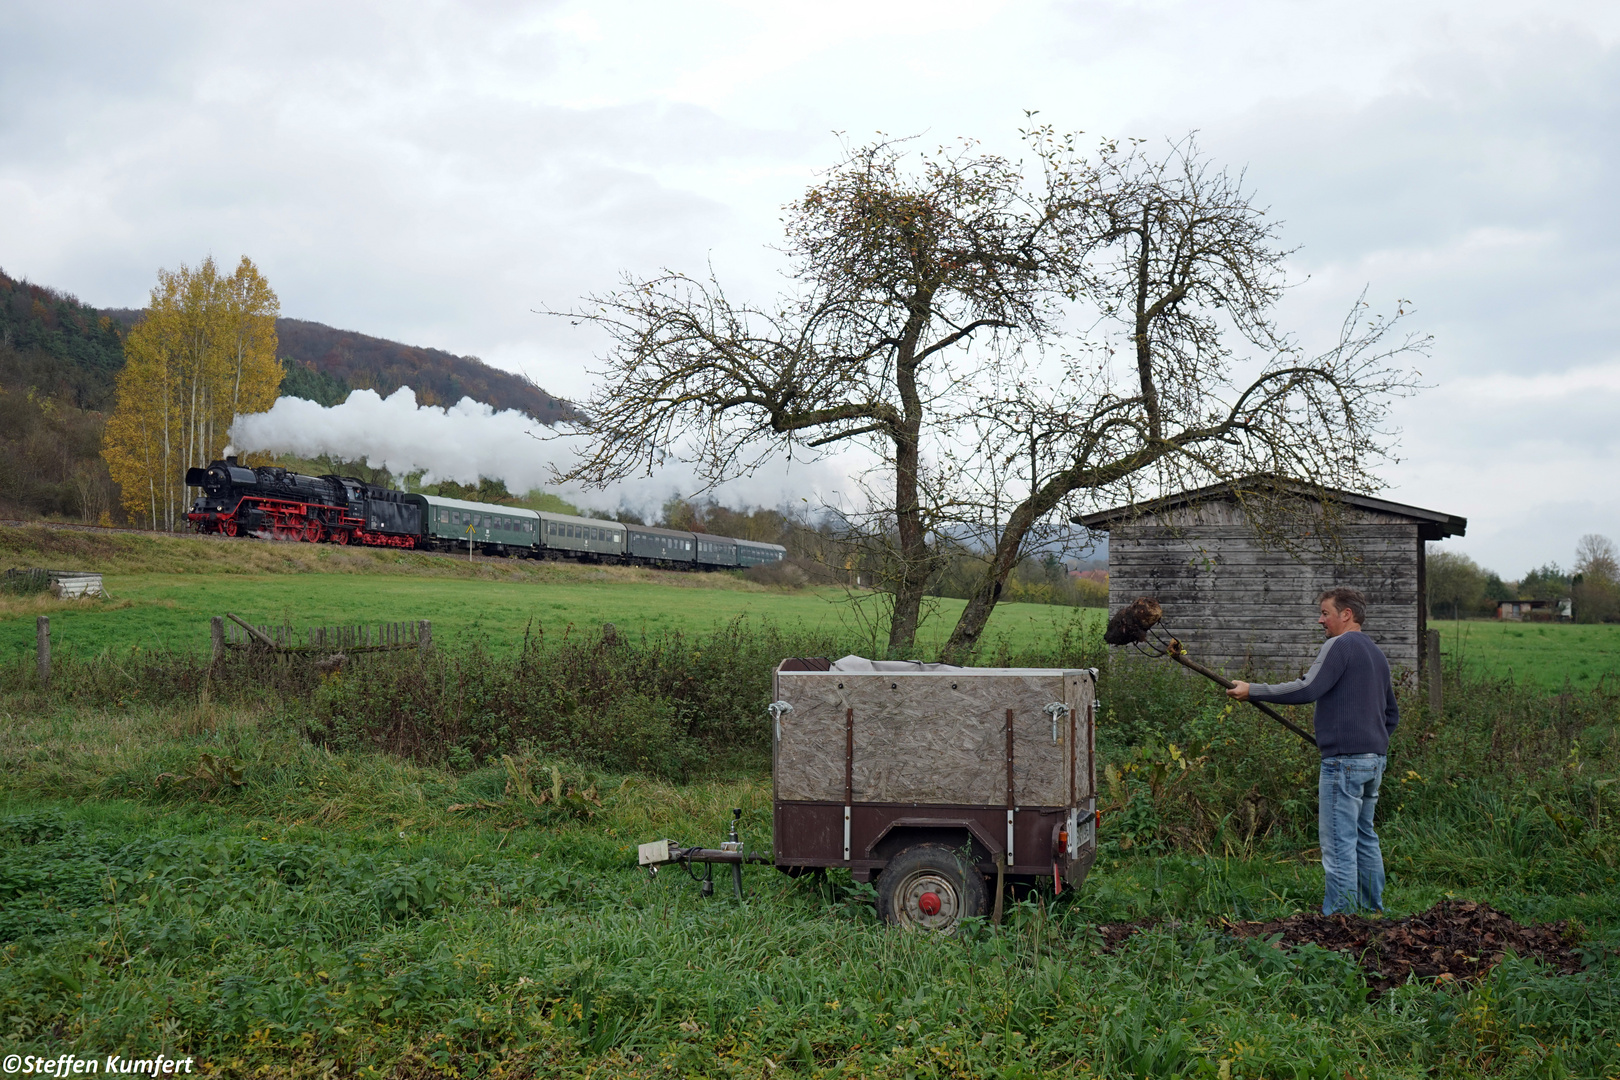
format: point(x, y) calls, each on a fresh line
point(1115, 934)
point(1455, 939)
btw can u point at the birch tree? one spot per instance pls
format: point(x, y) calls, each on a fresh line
point(204, 351)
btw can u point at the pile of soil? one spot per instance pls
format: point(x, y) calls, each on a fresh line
point(1455, 939)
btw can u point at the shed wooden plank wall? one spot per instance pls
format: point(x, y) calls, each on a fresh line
point(1242, 608)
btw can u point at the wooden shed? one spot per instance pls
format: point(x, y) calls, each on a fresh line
point(1250, 607)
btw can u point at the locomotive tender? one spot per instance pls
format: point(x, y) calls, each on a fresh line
point(272, 503)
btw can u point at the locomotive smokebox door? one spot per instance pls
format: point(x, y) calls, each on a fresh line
point(930, 779)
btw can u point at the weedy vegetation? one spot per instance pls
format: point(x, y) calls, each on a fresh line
point(424, 866)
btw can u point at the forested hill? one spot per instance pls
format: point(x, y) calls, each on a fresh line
point(324, 364)
point(60, 347)
point(59, 362)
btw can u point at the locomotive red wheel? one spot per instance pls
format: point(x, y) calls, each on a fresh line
point(228, 527)
point(312, 533)
point(341, 536)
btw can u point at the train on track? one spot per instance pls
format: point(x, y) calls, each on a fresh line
point(274, 503)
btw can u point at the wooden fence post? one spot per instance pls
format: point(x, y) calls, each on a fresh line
point(44, 646)
point(424, 639)
point(216, 636)
point(1433, 649)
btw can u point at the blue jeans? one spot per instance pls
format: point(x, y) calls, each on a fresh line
point(1352, 864)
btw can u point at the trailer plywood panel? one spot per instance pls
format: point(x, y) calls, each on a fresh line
point(931, 738)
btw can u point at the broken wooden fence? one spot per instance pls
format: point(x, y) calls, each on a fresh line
point(284, 640)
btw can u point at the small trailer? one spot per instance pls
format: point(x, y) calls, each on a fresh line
point(934, 780)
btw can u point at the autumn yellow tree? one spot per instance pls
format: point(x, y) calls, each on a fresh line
point(204, 353)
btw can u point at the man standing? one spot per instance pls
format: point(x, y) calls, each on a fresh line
point(1355, 714)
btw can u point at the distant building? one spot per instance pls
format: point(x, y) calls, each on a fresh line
point(1519, 610)
point(1244, 606)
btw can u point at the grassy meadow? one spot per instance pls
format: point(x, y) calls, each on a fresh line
point(164, 590)
point(425, 866)
point(335, 914)
point(1547, 655)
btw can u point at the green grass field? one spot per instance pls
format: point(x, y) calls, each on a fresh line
point(325, 914)
point(1536, 654)
point(206, 869)
point(166, 588)
point(172, 610)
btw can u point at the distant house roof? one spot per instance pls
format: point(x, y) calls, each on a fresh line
point(1432, 524)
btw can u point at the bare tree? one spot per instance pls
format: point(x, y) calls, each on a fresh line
point(931, 301)
point(1596, 557)
point(1596, 584)
point(898, 275)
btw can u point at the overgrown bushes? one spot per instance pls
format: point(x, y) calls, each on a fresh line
point(670, 705)
point(1181, 767)
point(1507, 774)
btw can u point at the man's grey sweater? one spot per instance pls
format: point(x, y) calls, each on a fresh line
point(1355, 700)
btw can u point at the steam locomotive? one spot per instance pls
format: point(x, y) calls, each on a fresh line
point(273, 503)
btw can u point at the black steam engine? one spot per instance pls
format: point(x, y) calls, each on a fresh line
point(273, 503)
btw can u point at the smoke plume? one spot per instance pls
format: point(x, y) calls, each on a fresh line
point(471, 440)
point(464, 442)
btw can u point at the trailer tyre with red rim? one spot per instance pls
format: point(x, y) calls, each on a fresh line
point(930, 887)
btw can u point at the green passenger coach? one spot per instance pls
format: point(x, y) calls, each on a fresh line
point(564, 533)
point(451, 523)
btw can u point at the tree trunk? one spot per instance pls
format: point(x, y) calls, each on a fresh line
point(915, 561)
point(1009, 549)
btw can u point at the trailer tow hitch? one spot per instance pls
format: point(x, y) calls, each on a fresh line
point(730, 852)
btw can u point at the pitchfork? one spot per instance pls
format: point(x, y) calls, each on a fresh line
point(1137, 625)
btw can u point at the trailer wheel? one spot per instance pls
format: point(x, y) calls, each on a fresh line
point(929, 887)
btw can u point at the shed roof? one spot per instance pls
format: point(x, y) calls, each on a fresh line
point(1433, 524)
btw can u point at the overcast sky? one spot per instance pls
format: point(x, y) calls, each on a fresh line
point(433, 172)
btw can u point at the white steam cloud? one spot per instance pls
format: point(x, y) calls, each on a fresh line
point(464, 442)
point(470, 440)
